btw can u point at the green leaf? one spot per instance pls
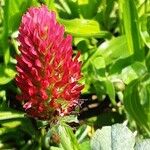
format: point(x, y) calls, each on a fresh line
point(7, 73)
point(94, 68)
point(133, 72)
point(129, 16)
point(143, 145)
point(143, 7)
point(137, 101)
point(69, 119)
point(67, 9)
point(96, 60)
point(5, 115)
point(68, 139)
point(4, 37)
point(15, 127)
point(105, 86)
point(11, 124)
point(49, 3)
point(81, 133)
point(106, 118)
point(85, 145)
point(84, 28)
point(114, 137)
point(114, 49)
point(144, 24)
point(87, 8)
point(65, 6)
point(15, 12)
point(55, 148)
point(6, 55)
point(110, 90)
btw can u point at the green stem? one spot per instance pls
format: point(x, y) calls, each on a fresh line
point(6, 33)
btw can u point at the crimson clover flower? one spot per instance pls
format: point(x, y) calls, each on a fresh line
point(48, 76)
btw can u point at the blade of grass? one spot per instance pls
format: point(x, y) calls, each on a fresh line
point(129, 16)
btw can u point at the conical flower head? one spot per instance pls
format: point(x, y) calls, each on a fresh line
point(47, 74)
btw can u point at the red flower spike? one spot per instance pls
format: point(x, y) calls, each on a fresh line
point(47, 74)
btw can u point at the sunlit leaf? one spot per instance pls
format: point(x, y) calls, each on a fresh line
point(7, 73)
point(4, 115)
point(133, 72)
point(84, 28)
point(114, 49)
point(129, 16)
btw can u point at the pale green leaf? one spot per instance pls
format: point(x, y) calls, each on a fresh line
point(114, 137)
point(143, 145)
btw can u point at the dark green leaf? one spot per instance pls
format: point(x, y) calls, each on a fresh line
point(88, 9)
point(137, 101)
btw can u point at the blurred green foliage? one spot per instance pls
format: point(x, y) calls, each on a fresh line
point(113, 37)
